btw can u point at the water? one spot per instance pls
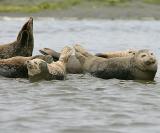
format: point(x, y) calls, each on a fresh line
point(82, 103)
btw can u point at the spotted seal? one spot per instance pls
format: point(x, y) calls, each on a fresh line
point(15, 67)
point(74, 66)
point(23, 46)
point(141, 66)
point(39, 69)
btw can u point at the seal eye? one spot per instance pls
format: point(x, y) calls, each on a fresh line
point(151, 53)
point(144, 55)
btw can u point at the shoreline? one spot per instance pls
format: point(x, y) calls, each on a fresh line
point(133, 11)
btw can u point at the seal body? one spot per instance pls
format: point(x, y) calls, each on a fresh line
point(39, 69)
point(15, 67)
point(75, 67)
point(23, 46)
point(141, 66)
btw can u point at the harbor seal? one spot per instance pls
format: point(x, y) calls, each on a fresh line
point(39, 69)
point(15, 67)
point(141, 66)
point(74, 66)
point(23, 46)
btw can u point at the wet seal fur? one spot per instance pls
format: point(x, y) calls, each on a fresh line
point(23, 46)
point(141, 66)
point(75, 67)
point(39, 69)
point(15, 67)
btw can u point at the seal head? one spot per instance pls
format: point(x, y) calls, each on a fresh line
point(141, 66)
point(145, 64)
point(39, 69)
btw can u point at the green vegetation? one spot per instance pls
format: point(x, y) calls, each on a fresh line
point(109, 2)
point(54, 5)
point(40, 5)
point(152, 1)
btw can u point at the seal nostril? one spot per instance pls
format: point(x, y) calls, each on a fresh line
point(153, 61)
point(27, 61)
point(148, 62)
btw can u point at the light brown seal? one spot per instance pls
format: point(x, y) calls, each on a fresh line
point(15, 67)
point(74, 66)
point(125, 53)
point(23, 46)
point(39, 69)
point(141, 66)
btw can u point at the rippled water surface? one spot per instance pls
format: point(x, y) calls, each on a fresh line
point(82, 103)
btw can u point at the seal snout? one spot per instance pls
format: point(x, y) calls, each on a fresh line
point(29, 65)
point(28, 25)
point(151, 61)
point(30, 22)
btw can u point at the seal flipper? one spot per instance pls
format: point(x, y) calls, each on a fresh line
point(80, 49)
point(47, 58)
point(48, 51)
point(65, 54)
point(80, 57)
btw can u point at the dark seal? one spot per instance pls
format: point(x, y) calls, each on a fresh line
point(15, 67)
point(23, 46)
point(141, 66)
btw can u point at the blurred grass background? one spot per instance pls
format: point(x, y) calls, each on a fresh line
point(40, 5)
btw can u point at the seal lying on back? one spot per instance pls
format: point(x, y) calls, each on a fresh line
point(15, 67)
point(24, 44)
point(74, 66)
point(141, 66)
point(39, 69)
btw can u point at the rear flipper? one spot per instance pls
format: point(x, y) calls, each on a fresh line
point(48, 51)
point(80, 49)
point(66, 52)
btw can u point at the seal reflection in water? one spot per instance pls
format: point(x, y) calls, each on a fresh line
point(39, 69)
point(75, 67)
point(15, 67)
point(23, 46)
point(141, 66)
